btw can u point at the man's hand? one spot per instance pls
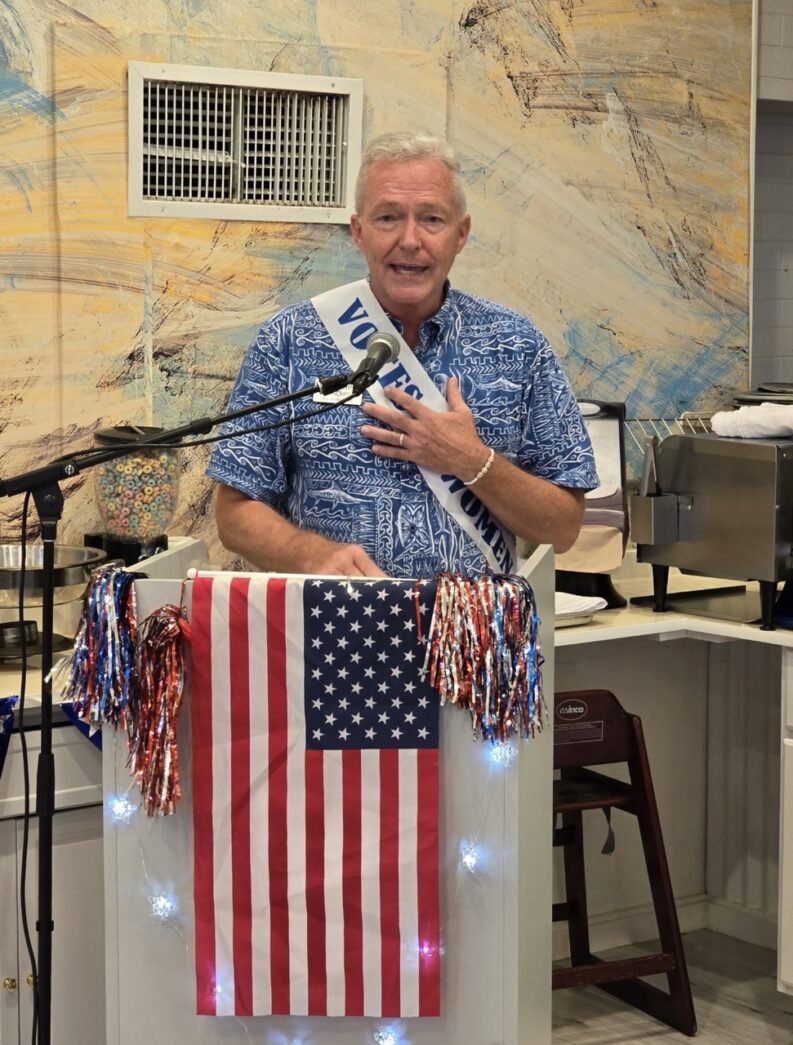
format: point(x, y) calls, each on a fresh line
point(445, 441)
point(329, 559)
point(263, 537)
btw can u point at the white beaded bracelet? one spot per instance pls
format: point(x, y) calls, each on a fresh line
point(483, 470)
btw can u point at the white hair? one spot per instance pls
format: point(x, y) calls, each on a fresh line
point(402, 147)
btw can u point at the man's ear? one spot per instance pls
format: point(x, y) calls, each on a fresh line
point(462, 236)
point(355, 229)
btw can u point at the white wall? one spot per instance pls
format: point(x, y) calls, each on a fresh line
point(775, 51)
point(772, 296)
point(772, 325)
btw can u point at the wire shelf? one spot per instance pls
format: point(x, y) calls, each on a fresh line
point(641, 429)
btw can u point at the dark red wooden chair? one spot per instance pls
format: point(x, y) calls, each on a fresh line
point(591, 728)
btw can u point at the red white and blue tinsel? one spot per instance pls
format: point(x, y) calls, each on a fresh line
point(132, 678)
point(102, 667)
point(483, 653)
point(6, 725)
point(154, 711)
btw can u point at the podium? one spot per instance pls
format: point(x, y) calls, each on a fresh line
point(495, 918)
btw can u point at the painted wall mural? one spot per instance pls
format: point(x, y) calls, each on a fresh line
point(605, 144)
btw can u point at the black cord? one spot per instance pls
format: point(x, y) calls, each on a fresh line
point(23, 907)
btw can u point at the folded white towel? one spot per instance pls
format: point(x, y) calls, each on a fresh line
point(767, 420)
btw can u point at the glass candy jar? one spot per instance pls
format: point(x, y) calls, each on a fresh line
point(136, 494)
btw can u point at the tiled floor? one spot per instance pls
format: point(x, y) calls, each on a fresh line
point(735, 997)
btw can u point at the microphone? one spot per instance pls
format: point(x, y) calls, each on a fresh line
point(381, 348)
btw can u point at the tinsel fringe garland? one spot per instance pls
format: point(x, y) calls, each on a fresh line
point(483, 653)
point(132, 678)
point(154, 712)
point(102, 667)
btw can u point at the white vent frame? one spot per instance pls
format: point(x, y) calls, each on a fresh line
point(350, 93)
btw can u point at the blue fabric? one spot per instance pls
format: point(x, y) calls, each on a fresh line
point(322, 474)
point(6, 725)
point(91, 731)
point(387, 701)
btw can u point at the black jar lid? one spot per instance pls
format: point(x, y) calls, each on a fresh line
point(125, 434)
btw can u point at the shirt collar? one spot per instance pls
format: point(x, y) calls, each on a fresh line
point(439, 320)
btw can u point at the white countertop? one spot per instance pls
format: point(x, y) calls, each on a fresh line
point(637, 621)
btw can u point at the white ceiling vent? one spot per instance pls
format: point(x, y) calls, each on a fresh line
point(223, 143)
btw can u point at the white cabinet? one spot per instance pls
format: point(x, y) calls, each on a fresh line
point(785, 946)
point(786, 874)
point(78, 996)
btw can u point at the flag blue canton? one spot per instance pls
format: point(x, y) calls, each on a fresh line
point(364, 685)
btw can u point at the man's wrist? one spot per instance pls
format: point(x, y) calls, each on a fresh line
point(483, 470)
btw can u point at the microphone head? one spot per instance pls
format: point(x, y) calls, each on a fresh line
point(380, 340)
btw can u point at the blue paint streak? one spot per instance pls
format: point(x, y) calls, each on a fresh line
point(654, 382)
point(658, 383)
point(18, 184)
point(19, 95)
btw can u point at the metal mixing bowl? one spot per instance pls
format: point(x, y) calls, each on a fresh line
point(73, 568)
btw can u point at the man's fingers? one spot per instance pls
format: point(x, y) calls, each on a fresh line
point(367, 566)
point(350, 560)
point(454, 396)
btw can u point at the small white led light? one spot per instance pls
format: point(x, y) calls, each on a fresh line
point(162, 907)
point(384, 1036)
point(120, 809)
point(502, 754)
point(469, 857)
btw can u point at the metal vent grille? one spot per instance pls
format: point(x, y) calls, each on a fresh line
point(292, 144)
point(243, 146)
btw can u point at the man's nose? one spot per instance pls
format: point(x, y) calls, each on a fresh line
point(410, 238)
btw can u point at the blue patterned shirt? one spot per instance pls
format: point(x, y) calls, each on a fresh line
point(321, 473)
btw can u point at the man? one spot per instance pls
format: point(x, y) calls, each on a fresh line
point(473, 437)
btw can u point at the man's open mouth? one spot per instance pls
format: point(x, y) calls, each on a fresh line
point(409, 270)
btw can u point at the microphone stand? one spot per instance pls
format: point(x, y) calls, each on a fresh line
point(42, 483)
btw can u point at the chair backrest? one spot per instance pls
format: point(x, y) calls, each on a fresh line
point(591, 728)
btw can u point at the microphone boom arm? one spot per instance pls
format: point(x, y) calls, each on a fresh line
point(66, 468)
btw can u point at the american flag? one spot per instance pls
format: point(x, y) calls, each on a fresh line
point(315, 799)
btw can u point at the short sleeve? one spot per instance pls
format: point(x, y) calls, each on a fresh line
point(255, 462)
point(555, 443)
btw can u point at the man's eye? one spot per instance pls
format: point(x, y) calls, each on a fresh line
point(386, 219)
point(434, 219)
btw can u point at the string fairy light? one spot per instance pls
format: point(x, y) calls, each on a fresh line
point(469, 857)
point(120, 809)
point(162, 906)
point(385, 1036)
point(503, 754)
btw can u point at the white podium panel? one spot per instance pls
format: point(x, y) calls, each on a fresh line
point(495, 920)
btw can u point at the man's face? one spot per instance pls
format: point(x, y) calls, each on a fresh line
point(410, 232)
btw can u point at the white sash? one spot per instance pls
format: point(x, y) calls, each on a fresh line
point(351, 314)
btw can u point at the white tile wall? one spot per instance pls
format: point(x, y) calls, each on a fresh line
point(772, 316)
point(775, 50)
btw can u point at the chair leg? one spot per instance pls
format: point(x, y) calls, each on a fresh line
point(575, 889)
point(677, 1007)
